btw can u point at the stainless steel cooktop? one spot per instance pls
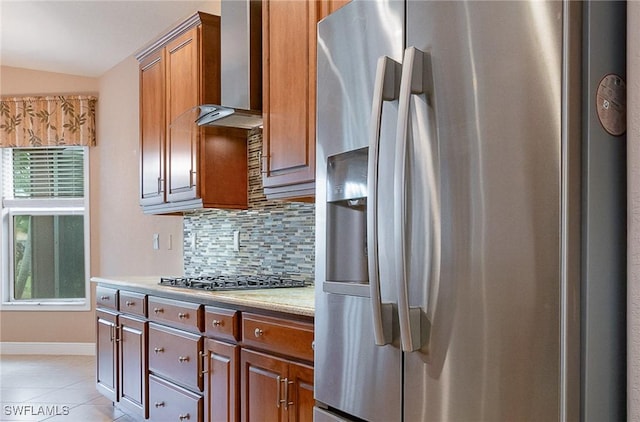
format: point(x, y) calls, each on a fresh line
point(232, 282)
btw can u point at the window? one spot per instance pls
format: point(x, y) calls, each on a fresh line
point(45, 228)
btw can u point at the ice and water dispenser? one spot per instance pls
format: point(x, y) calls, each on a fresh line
point(347, 219)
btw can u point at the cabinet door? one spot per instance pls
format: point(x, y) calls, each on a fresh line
point(262, 387)
point(221, 383)
point(300, 393)
point(133, 384)
point(106, 354)
point(182, 67)
point(289, 46)
point(152, 127)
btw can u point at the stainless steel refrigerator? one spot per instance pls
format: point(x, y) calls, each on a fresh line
point(470, 211)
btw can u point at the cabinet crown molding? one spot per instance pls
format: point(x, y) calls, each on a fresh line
point(192, 21)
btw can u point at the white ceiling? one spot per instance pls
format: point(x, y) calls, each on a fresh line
point(85, 37)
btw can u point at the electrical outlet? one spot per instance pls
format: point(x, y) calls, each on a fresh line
point(156, 241)
point(170, 242)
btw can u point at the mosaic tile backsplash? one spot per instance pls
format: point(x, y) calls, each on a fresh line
point(275, 237)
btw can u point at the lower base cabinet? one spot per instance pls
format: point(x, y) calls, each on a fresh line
point(301, 379)
point(222, 375)
point(169, 402)
point(107, 354)
point(121, 367)
point(168, 360)
point(275, 389)
point(133, 364)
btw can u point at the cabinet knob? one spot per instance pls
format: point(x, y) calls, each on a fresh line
point(184, 417)
point(158, 310)
point(157, 350)
point(129, 303)
point(258, 332)
point(159, 404)
point(183, 359)
point(216, 323)
point(182, 315)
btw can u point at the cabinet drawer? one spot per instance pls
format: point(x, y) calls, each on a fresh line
point(278, 335)
point(177, 355)
point(107, 297)
point(221, 323)
point(179, 314)
point(168, 402)
point(133, 303)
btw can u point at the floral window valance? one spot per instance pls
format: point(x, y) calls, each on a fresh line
point(47, 121)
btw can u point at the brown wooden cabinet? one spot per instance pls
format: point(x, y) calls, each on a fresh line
point(301, 386)
point(277, 378)
point(289, 95)
point(121, 351)
point(222, 373)
point(107, 354)
point(170, 402)
point(275, 389)
point(152, 129)
point(222, 381)
point(175, 355)
point(181, 165)
point(165, 359)
point(132, 342)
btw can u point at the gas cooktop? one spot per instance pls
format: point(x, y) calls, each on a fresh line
point(232, 282)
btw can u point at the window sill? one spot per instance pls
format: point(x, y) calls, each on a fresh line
point(49, 306)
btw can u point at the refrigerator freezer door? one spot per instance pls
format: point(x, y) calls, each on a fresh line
point(493, 350)
point(354, 375)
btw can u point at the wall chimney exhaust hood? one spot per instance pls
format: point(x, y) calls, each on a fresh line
point(241, 70)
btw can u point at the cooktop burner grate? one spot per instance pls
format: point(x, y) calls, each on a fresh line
point(232, 282)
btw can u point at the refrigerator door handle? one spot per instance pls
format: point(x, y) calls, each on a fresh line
point(386, 88)
point(413, 82)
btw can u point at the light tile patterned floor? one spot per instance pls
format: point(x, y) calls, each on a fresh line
point(53, 388)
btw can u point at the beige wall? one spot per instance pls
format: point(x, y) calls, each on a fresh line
point(121, 236)
point(16, 81)
point(633, 204)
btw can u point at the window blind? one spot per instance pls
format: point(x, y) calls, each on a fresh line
point(43, 173)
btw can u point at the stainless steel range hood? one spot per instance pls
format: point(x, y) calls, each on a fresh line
point(241, 70)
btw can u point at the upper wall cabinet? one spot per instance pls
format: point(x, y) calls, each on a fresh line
point(289, 95)
point(183, 166)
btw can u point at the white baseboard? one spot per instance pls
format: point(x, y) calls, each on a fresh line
point(35, 348)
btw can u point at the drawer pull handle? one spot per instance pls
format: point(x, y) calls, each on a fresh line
point(104, 297)
point(159, 404)
point(278, 400)
point(158, 310)
point(258, 332)
point(157, 350)
point(183, 316)
point(216, 323)
point(287, 403)
point(183, 359)
point(204, 370)
point(184, 417)
point(129, 303)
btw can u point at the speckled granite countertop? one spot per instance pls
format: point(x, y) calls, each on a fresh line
point(295, 300)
